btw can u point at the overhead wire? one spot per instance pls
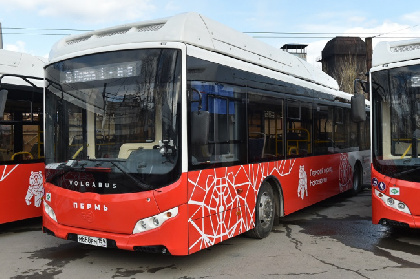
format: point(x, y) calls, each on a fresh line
point(318, 35)
point(36, 34)
point(396, 31)
point(258, 34)
point(47, 29)
point(30, 31)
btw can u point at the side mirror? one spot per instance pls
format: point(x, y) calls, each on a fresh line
point(358, 113)
point(200, 127)
point(3, 99)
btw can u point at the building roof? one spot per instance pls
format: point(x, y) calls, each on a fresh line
point(293, 46)
point(344, 46)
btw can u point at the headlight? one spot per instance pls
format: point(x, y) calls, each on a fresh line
point(154, 222)
point(50, 212)
point(401, 205)
point(393, 203)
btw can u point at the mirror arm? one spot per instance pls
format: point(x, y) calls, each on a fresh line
point(199, 101)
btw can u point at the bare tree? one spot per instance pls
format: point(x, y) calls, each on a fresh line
point(347, 68)
point(345, 59)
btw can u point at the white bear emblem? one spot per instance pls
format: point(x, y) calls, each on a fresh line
point(303, 183)
point(35, 189)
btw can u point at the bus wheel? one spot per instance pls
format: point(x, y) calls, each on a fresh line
point(357, 180)
point(264, 212)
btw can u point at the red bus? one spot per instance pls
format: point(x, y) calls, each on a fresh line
point(21, 149)
point(395, 95)
point(173, 135)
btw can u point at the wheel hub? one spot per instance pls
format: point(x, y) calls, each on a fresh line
point(266, 209)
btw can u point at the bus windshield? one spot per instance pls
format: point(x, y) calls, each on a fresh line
point(113, 118)
point(396, 122)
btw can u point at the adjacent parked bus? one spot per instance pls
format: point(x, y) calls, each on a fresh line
point(21, 149)
point(395, 97)
point(176, 134)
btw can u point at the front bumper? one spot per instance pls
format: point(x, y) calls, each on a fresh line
point(171, 237)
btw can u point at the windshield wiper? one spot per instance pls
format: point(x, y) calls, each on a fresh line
point(64, 168)
point(140, 184)
point(406, 172)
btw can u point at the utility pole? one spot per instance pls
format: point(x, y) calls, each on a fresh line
point(368, 41)
point(1, 37)
point(369, 52)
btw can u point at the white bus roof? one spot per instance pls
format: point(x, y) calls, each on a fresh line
point(395, 51)
point(197, 30)
point(18, 63)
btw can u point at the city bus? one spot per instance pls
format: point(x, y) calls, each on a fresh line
point(173, 135)
point(21, 138)
point(395, 95)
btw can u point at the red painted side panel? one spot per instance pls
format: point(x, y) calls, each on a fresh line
point(222, 201)
point(22, 190)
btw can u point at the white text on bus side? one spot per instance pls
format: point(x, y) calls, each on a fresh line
point(89, 206)
point(93, 184)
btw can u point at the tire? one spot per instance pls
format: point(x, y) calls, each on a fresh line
point(357, 180)
point(264, 212)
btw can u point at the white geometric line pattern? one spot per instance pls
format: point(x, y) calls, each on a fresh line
point(4, 174)
point(222, 201)
point(345, 173)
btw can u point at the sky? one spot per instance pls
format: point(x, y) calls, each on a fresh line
point(33, 26)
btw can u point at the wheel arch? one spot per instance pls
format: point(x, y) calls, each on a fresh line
point(357, 174)
point(358, 167)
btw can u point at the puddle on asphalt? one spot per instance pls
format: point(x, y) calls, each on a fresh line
point(358, 232)
point(126, 273)
point(62, 254)
point(58, 257)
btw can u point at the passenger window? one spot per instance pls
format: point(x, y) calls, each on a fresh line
point(323, 140)
point(265, 128)
point(340, 133)
point(299, 129)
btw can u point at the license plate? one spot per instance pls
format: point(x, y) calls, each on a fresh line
point(95, 241)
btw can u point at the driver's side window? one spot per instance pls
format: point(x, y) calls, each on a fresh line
point(216, 124)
